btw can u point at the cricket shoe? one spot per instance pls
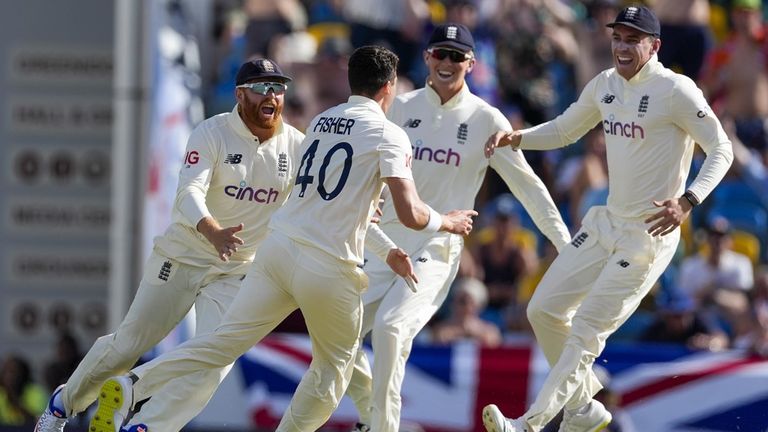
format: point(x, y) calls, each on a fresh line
point(361, 427)
point(595, 419)
point(494, 421)
point(54, 417)
point(114, 404)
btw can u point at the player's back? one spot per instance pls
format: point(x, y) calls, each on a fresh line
point(346, 153)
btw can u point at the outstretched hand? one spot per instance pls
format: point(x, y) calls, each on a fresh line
point(400, 263)
point(458, 221)
point(224, 240)
point(672, 214)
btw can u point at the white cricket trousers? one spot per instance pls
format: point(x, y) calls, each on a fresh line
point(167, 291)
point(395, 315)
point(285, 275)
point(590, 289)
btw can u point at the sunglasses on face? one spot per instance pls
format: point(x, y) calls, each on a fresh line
point(442, 53)
point(263, 88)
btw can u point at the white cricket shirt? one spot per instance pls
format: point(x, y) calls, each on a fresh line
point(228, 174)
point(348, 151)
point(650, 124)
point(449, 163)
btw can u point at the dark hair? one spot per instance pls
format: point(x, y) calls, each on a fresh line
point(370, 67)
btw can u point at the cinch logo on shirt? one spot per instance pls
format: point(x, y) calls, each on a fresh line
point(243, 192)
point(624, 130)
point(441, 156)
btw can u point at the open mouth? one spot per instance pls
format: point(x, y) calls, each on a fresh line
point(267, 110)
point(624, 60)
point(445, 74)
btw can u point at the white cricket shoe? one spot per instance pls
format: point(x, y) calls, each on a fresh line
point(595, 419)
point(494, 421)
point(361, 427)
point(114, 404)
point(54, 417)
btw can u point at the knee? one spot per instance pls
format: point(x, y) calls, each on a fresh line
point(391, 335)
point(541, 312)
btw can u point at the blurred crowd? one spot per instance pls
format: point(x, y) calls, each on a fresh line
point(533, 57)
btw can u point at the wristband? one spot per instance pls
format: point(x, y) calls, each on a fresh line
point(435, 221)
point(688, 195)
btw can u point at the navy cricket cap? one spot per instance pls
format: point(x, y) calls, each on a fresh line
point(451, 35)
point(259, 68)
point(640, 18)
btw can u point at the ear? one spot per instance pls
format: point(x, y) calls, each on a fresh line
point(425, 55)
point(239, 95)
point(656, 46)
point(471, 64)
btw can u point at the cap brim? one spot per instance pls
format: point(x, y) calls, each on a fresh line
point(455, 45)
point(281, 78)
point(285, 78)
point(614, 24)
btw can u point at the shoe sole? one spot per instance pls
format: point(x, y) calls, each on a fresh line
point(111, 401)
point(491, 419)
point(602, 426)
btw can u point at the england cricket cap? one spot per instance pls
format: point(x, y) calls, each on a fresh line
point(451, 35)
point(640, 18)
point(259, 68)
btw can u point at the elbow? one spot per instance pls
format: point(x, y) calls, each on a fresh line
point(728, 155)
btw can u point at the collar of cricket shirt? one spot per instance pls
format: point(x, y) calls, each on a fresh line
point(453, 102)
point(649, 70)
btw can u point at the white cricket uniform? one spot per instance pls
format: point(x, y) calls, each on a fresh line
point(309, 260)
point(651, 123)
point(227, 174)
point(449, 168)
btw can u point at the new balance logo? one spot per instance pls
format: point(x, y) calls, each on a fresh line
point(165, 271)
point(462, 132)
point(412, 123)
point(608, 98)
point(421, 259)
point(622, 263)
point(579, 239)
point(233, 158)
point(643, 108)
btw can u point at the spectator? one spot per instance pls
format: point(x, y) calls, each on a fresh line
point(20, 398)
point(716, 268)
point(67, 357)
point(397, 24)
point(590, 185)
point(678, 322)
point(464, 322)
point(268, 21)
point(735, 79)
point(686, 33)
point(507, 253)
point(754, 338)
point(595, 40)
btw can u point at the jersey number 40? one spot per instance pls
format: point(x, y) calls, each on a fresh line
point(305, 178)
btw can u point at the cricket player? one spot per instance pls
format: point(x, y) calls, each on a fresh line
point(238, 169)
point(651, 118)
point(448, 127)
point(310, 259)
